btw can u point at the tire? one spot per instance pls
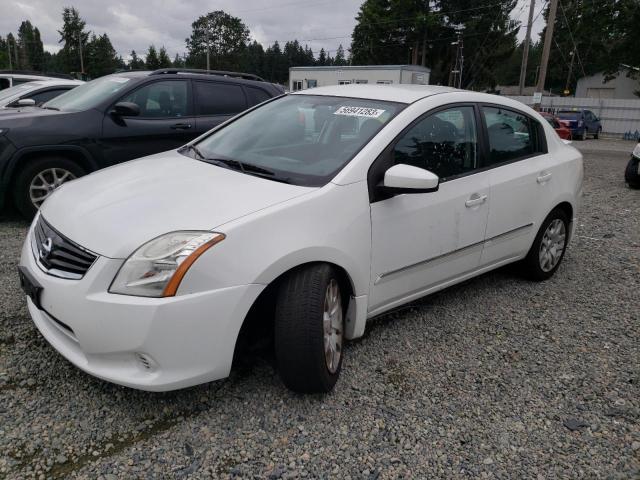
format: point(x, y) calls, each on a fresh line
point(63, 169)
point(597, 134)
point(536, 265)
point(583, 137)
point(300, 329)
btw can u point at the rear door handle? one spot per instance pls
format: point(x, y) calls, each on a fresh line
point(543, 177)
point(475, 199)
point(181, 126)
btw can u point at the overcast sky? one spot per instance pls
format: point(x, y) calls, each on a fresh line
point(136, 24)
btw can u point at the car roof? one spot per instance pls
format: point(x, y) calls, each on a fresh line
point(51, 83)
point(403, 93)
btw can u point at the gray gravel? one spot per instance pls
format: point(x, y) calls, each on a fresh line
point(496, 378)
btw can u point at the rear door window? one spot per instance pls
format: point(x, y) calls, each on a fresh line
point(213, 98)
point(511, 135)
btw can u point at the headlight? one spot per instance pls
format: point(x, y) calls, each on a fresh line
point(157, 267)
point(636, 151)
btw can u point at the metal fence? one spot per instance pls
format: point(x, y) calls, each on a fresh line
point(618, 117)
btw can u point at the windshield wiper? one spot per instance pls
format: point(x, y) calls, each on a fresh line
point(247, 168)
point(51, 108)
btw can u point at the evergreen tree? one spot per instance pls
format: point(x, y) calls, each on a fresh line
point(101, 57)
point(30, 48)
point(135, 63)
point(322, 58)
point(254, 59)
point(72, 35)
point(163, 58)
point(152, 61)
point(178, 61)
point(339, 60)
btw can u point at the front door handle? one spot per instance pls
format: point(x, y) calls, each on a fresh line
point(181, 126)
point(543, 177)
point(474, 200)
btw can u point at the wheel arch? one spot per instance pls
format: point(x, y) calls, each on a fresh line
point(27, 155)
point(259, 319)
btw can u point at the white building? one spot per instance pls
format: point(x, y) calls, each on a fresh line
point(301, 78)
point(619, 87)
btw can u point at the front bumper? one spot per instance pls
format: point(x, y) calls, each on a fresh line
point(154, 344)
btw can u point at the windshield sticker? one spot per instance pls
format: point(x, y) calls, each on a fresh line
point(119, 79)
point(359, 112)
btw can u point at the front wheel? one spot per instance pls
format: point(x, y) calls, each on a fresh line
point(309, 329)
point(38, 180)
point(548, 248)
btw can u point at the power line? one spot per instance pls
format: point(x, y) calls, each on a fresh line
point(575, 48)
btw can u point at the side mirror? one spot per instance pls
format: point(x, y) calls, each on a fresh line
point(403, 178)
point(26, 102)
point(125, 109)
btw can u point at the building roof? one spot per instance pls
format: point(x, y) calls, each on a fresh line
point(413, 68)
point(404, 93)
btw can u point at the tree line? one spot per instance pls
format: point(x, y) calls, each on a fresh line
point(228, 38)
point(589, 37)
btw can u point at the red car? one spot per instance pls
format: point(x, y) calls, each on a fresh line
point(558, 125)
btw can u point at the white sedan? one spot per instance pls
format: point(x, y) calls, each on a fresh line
point(304, 216)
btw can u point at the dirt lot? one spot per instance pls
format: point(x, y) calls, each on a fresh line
point(496, 378)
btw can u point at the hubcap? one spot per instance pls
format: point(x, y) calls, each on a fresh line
point(45, 182)
point(552, 245)
point(332, 325)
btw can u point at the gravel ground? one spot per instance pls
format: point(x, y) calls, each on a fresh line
point(496, 378)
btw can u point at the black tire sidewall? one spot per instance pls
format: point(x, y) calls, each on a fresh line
point(304, 369)
point(532, 261)
point(26, 175)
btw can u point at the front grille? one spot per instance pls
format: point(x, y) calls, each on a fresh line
point(57, 255)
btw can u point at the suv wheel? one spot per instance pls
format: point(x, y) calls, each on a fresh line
point(584, 134)
point(548, 248)
point(37, 181)
point(309, 329)
point(597, 134)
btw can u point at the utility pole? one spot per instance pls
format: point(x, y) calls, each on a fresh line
point(81, 59)
point(208, 46)
point(572, 54)
point(548, 37)
point(9, 51)
point(455, 78)
point(525, 51)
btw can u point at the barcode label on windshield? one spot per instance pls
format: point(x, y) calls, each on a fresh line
point(359, 112)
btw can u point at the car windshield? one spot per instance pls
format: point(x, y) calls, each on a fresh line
point(300, 139)
point(569, 115)
point(88, 95)
point(17, 90)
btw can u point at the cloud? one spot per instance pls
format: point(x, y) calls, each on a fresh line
point(134, 25)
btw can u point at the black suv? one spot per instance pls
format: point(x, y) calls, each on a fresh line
point(114, 119)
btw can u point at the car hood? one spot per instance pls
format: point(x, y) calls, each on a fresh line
point(26, 112)
point(114, 211)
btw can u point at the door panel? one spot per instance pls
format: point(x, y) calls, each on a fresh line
point(421, 240)
point(519, 191)
point(165, 122)
point(520, 178)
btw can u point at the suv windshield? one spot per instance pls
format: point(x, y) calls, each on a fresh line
point(88, 95)
point(301, 139)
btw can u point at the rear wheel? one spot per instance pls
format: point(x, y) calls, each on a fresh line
point(548, 248)
point(584, 134)
point(597, 134)
point(309, 329)
point(38, 180)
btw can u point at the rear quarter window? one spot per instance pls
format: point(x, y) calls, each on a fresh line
point(213, 98)
point(256, 95)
